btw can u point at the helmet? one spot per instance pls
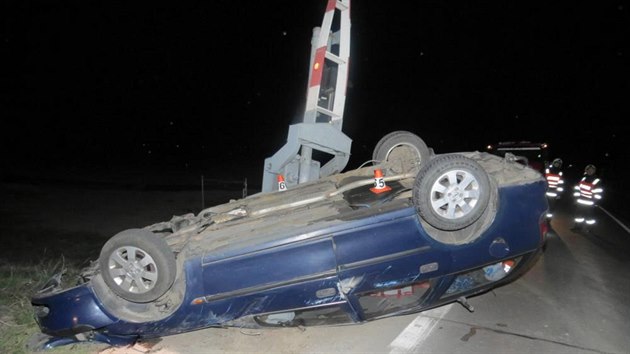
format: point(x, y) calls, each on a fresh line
point(590, 167)
point(557, 161)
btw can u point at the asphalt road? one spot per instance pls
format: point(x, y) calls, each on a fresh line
point(574, 300)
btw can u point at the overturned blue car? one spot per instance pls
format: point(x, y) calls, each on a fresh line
point(433, 229)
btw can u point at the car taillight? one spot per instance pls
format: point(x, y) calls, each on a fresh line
point(544, 228)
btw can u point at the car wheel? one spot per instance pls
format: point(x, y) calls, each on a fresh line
point(401, 145)
point(451, 192)
point(137, 265)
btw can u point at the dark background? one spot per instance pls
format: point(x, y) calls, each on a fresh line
point(202, 87)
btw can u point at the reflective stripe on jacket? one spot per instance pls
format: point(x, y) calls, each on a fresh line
point(588, 190)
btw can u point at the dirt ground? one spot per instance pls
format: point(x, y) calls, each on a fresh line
point(51, 218)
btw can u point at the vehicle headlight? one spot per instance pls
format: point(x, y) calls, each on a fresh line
point(41, 311)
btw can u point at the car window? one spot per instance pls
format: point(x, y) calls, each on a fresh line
point(382, 302)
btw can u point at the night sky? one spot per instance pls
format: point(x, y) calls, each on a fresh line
point(193, 85)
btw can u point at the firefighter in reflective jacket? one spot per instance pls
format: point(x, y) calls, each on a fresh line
point(587, 193)
point(555, 184)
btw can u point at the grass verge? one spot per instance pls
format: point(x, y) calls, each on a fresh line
point(17, 285)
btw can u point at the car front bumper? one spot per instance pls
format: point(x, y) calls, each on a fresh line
point(73, 315)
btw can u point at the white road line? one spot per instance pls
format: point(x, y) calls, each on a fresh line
point(418, 330)
point(615, 219)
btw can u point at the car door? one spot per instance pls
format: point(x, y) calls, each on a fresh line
point(387, 264)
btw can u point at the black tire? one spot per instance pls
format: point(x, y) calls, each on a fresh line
point(451, 192)
point(137, 265)
point(401, 144)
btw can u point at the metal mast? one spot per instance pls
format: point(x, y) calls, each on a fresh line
point(321, 126)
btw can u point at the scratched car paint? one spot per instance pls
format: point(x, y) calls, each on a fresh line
point(333, 251)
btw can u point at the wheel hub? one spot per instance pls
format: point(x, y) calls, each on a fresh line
point(133, 269)
point(455, 195)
